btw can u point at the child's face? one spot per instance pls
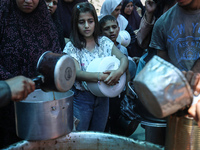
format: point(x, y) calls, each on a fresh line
point(86, 25)
point(111, 30)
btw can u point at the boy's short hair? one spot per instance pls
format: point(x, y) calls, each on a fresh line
point(103, 21)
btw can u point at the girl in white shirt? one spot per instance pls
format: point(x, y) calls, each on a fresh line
point(85, 45)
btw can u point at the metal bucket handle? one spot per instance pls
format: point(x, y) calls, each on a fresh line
point(132, 90)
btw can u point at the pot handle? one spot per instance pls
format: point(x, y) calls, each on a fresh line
point(38, 80)
point(130, 83)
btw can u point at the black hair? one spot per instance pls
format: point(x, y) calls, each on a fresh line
point(103, 21)
point(160, 7)
point(76, 38)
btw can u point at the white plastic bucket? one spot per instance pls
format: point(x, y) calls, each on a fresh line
point(101, 89)
point(124, 38)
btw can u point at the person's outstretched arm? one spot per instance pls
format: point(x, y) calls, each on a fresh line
point(15, 89)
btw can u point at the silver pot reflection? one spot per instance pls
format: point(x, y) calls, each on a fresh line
point(44, 115)
point(162, 88)
point(182, 133)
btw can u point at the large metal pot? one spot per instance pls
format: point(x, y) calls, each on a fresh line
point(57, 72)
point(162, 88)
point(44, 115)
point(86, 141)
point(140, 109)
point(182, 133)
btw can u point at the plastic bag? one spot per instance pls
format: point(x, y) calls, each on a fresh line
point(127, 108)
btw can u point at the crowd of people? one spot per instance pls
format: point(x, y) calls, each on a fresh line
point(167, 28)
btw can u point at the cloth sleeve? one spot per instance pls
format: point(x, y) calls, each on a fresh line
point(4, 74)
point(5, 93)
point(144, 32)
point(157, 38)
point(106, 45)
point(72, 51)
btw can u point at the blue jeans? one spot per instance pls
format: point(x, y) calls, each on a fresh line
point(141, 63)
point(132, 67)
point(92, 111)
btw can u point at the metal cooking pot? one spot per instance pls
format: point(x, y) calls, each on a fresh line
point(44, 115)
point(141, 109)
point(182, 133)
point(57, 72)
point(86, 141)
point(162, 88)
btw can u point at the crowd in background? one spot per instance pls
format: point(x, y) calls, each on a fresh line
point(30, 27)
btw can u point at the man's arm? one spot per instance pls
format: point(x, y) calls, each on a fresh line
point(193, 77)
point(15, 89)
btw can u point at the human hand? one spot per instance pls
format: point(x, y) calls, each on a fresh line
point(150, 6)
point(20, 87)
point(113, 77)
point(136, 59)
point(102, 76)
point(194, 81)
point(194, 111)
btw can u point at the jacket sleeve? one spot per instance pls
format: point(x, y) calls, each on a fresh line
point(5, 93)
point(144, 33)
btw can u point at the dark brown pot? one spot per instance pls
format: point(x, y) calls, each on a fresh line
point(57, 72)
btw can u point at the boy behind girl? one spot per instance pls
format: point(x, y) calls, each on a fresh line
point(109, 27)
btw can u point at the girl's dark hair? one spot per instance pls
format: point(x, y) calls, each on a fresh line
point(76, 38)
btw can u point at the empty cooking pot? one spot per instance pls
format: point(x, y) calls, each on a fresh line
point(44, 115)
point(57, 72)
point(141, 109)
point(162, 88)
